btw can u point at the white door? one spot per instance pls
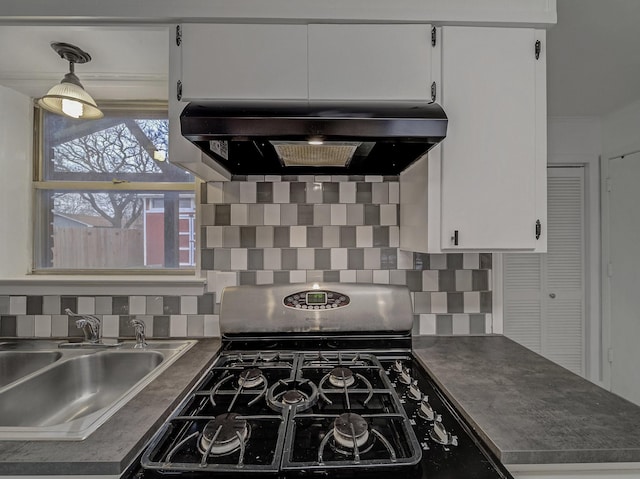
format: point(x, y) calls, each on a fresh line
point(544, 307)
point(624, 280)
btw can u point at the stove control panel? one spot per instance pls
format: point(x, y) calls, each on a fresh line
point(316, 299)
point(424, 408)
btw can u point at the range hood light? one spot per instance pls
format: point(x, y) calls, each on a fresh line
point(316, 140)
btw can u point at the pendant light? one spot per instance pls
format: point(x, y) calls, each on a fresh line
point(69, 97)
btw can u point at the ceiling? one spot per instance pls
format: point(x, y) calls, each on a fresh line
point(127, 62)
point(593, 58)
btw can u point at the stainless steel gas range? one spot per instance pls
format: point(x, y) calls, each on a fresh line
point(316, 380)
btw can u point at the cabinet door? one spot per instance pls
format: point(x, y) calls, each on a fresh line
point(181, 151)
point(369, 62)
point(244, 62)
point(494, 156)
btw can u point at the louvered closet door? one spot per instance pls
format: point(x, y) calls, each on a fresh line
point(544, 294)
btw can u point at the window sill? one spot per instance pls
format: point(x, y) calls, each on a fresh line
point(125, 285)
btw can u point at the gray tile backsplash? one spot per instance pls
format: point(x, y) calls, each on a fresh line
point(343, 229)
point(299, 229)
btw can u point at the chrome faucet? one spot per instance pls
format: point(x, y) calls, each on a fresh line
point(138, 327)
point(89, 324)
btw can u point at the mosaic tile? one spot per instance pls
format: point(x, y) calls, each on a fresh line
point(355, 258)
point(477, 324)
point(380, 236)
point(444, 324)
point(347, 236)
point(372, 258)
point(371, 214)
point(264, 192)
point(171, 305)
point(314, 237)
point(247, 236)
point(4, 305)
point(298, 193)
point(281, 237)
point(454, 261)
point(255, 259)
point(305, 215)
point(222, 215)
point(330, 193)
point(34, 305)
point(364, 193)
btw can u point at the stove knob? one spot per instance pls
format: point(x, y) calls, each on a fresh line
point(405, 376)
point(397, 366)
point(426, 411)
point(414, 391)
point(440, 435)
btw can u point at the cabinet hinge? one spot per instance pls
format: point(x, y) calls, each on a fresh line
point(610, 355)
point(608, 185)
point(179, 90)
point(178, 35)
point(433, 36)
point(433, 91)
point(538, 229)
point(610, 270)
point(538, 49)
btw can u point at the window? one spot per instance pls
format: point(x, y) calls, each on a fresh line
point(107, 197)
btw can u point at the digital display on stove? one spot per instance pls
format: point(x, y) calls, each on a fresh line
point(317, 298)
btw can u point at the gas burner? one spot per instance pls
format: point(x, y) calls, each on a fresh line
point(302, 394)
point(223, 435)
point(294, 396)
point(350, 430)
point(251, 378)
point(341, 377)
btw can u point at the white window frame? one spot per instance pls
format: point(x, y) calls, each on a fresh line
point(40, 184)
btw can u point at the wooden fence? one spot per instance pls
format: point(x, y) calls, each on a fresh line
point(85, 248)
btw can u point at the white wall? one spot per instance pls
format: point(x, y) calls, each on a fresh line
point(621, 131)
point(578, 141)
point(16, 142)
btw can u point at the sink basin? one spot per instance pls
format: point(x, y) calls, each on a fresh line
point(77, 390)
point(17, 364)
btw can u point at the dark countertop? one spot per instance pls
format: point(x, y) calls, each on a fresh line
point(527, 408)
point(110, 449)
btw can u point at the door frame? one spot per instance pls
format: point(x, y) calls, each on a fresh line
point(604, 268)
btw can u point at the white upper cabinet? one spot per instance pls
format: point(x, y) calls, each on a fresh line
point(244, 61)
point(487, 179)
point(370, 62)
point(319, 62)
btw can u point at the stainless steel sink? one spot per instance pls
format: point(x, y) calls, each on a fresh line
point(72, 397)
point(17, 364)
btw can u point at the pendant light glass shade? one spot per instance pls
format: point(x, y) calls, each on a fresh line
point(69, 98)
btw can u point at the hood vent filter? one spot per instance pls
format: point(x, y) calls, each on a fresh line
point(301, 153)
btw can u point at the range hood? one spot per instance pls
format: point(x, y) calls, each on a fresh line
point(299, 139)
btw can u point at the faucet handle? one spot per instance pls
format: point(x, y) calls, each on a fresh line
point(139, 329)
point(89, 324)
